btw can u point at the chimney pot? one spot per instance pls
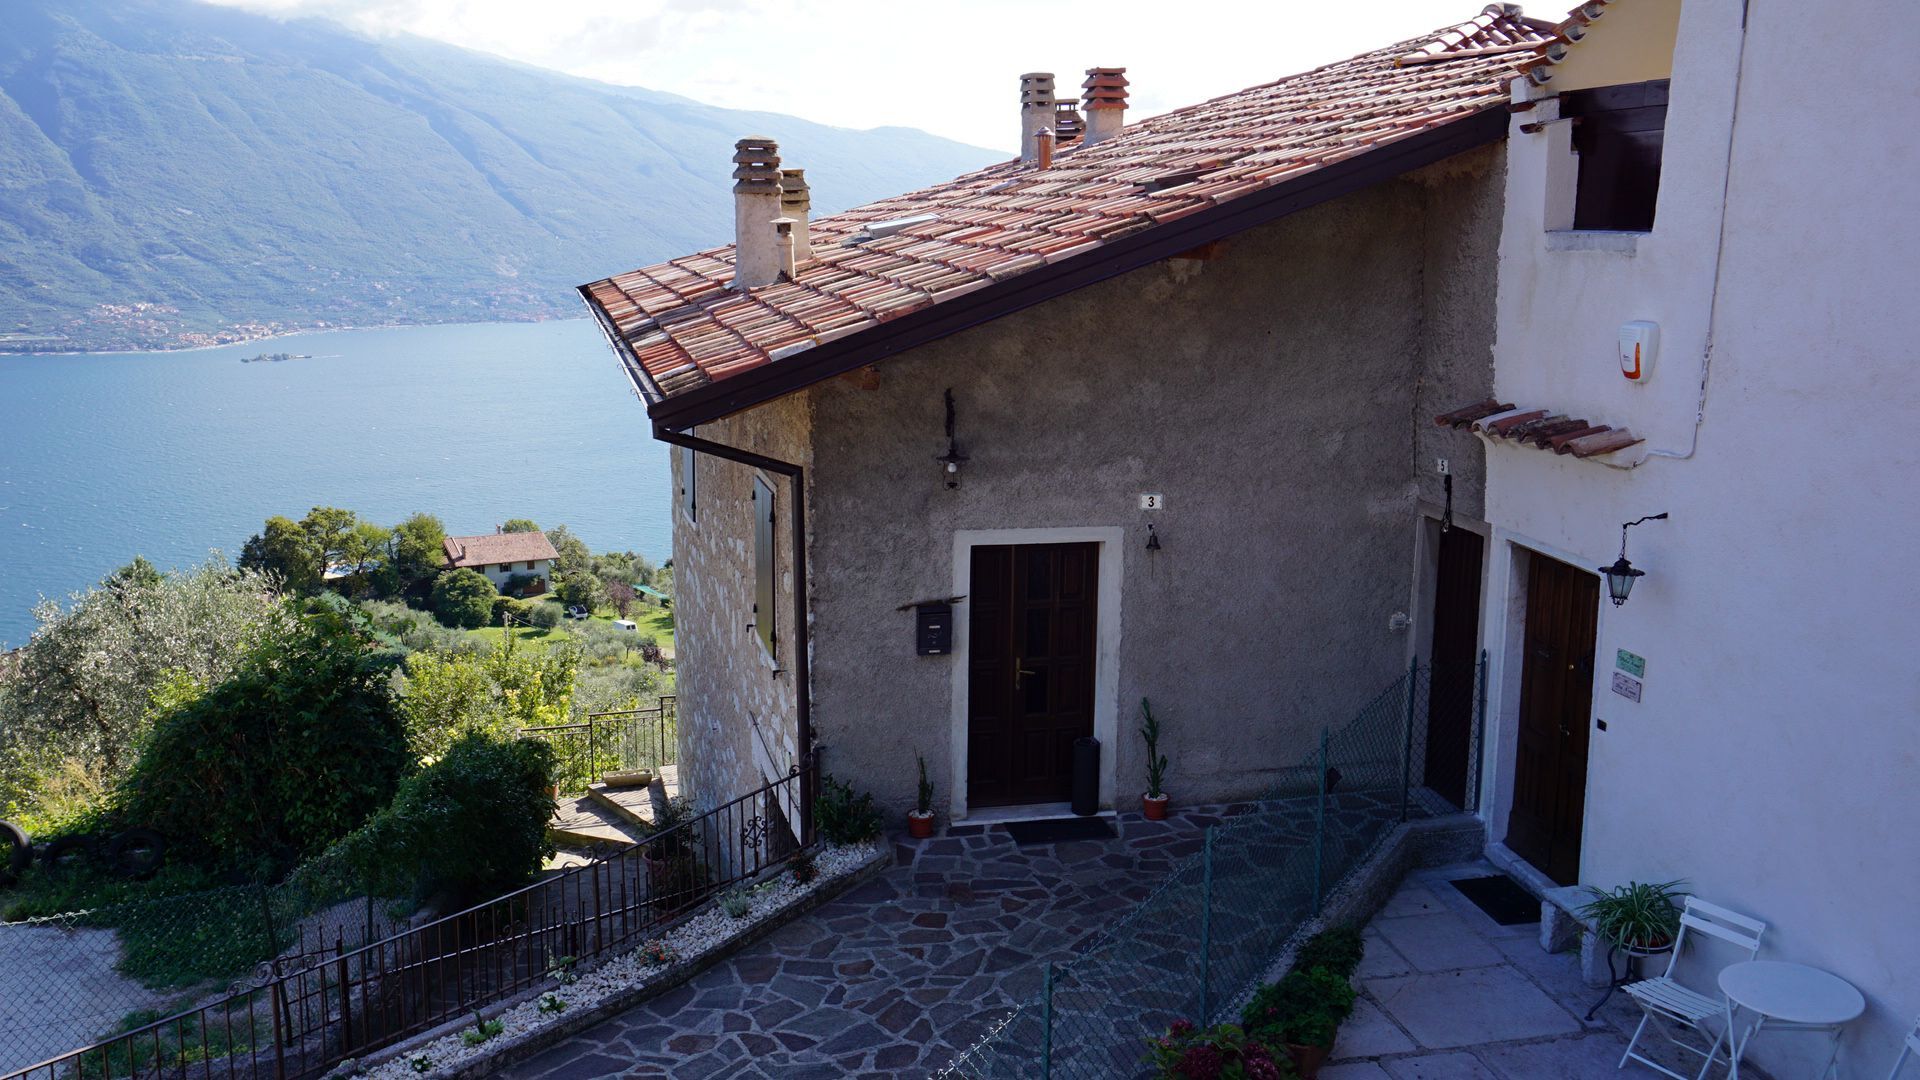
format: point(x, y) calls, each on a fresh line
point(756, 202)
point(783, 245)
point(1043, 149)
point(1104, 103)
point(1036, 110)
point(796, 202)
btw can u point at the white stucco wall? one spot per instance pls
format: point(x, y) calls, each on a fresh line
point(542, 568)
point(1771, 762)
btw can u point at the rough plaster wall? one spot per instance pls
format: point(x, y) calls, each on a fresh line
point(1461, 215)
point(1268, 394)
point(727, 686)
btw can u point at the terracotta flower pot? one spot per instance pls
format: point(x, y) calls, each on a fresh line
point(1155, 806)
point(919, 825)
point(1308, 1059)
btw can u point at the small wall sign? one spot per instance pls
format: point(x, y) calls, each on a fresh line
point(1153, 502)
point(1631, 663)
point(1626, 686)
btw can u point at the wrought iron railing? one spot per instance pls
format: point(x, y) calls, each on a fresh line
point(304, 1015)
point(628, 740)
point(1207, 933)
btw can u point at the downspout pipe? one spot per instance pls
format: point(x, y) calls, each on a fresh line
point(797, 484)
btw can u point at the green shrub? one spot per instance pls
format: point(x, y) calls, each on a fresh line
point(842, 816)
point(1304, 1008)
point(546, 615)
point(463, 598)
point(472, 824)
point(1338, 950)
point(284, 757)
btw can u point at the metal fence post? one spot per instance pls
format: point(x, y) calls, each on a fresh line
point(1479, 749)
point(1320, 824)
point(1046, 1026)
point(1206, 925)
point(1406, 754)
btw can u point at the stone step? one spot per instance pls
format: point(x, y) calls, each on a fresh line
point(637, 806)
point(580, 820)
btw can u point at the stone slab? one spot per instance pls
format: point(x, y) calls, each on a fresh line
point(1452, 1065)
point(1438, 942)
point(1368, 1033)
point(1449, 1010)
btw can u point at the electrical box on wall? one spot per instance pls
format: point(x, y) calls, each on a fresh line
point(933, 629)
point(1639, 340)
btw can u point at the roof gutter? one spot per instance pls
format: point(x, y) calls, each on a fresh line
point(1109, 260)
point(797, 484)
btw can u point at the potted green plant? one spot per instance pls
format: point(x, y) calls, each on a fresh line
point(1637, 918)
point(1304, 1010)
point(920, 819)
point(1154, 803)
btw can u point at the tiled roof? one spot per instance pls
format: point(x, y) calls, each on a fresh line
point(1542, 429)
point(1561, 39)
point(683, 327)
point(512, 547)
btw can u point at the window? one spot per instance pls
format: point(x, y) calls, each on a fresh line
point(529, 564)
point(506, 568)
point(687, 459)
point(763, 600)
point(1619, 136)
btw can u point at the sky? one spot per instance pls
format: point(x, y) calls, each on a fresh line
point(949, 68)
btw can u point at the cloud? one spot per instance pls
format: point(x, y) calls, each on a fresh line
point(949, 69)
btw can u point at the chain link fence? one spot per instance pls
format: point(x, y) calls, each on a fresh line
point(1207, 934)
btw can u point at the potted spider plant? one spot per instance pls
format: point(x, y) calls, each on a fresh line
point(1154, 803)
point(1637, 918)
point(920, 819)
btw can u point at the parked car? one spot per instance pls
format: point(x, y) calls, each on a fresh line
point(578, 612)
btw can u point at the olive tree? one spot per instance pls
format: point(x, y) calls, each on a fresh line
point(84, 684)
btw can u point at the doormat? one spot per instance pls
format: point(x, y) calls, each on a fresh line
point(1057, 830)
point(1504, 901)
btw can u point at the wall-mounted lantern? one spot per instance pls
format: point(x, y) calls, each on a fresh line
point(1622, 574)
point(1153, 538)
point(951, 461)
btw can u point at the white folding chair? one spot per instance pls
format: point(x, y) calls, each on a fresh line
point(1667, 1003)
point(1908, 1049)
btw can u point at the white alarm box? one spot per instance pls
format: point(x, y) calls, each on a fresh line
point(1639, 340)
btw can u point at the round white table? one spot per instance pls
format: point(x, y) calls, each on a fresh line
point(1787, 997)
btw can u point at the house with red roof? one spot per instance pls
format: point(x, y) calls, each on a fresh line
point(522, 561)
point(1144, 413)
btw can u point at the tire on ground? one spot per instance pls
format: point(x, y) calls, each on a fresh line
point(16, 850)
point(64, 853)
point(137, 853)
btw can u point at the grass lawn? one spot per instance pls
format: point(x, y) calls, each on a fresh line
point(654, 621)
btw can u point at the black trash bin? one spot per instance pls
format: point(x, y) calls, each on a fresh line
point(1086, 775)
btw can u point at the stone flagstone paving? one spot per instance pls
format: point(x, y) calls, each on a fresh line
point(896, 977)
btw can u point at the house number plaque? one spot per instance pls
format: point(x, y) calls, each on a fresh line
point(1626, 686)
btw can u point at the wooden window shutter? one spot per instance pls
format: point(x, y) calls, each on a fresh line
point(763, 597)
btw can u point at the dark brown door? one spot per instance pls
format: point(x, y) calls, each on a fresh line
point(1556, 704)
point(1029, 671)
point(1453, 665)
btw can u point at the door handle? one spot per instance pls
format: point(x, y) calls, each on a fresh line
point(1019, 671)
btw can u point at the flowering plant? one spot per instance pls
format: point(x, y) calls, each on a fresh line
point(658, 953)
point(1221, 1052)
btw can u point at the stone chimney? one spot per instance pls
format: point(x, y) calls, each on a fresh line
point(756, 202)
point(1036, 111)
point(1105, 103)
point(795, 202)
point(783, 246)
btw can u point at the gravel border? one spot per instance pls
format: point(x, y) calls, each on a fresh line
point(614, 986)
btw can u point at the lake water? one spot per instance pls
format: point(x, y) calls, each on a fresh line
point(171, 455)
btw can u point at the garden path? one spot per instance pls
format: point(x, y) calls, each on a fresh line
point(896, 977)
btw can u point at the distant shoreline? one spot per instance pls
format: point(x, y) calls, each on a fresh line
point(4, 353)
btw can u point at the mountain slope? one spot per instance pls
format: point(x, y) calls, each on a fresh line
point(171, 171)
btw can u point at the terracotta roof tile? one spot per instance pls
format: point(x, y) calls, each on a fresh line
point(485, 550)
point(1538, 428)
point(686, 327)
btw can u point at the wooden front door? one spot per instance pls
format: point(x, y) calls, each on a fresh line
point(1029, 670)
point(1453, 665)
point(1556, 705)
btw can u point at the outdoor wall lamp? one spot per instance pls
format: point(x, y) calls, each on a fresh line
point(953, 458)
point(1621, 575)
